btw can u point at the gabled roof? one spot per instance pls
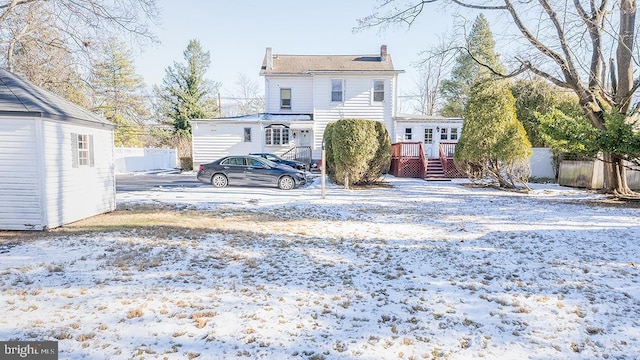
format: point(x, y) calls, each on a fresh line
point(274, 64)
point(19, 97)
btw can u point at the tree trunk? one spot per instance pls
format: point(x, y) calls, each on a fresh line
point(615, 176)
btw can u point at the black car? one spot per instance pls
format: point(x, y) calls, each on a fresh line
point(249, 170)
point(278, 160)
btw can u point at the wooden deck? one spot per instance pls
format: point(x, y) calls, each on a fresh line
point(408, 160)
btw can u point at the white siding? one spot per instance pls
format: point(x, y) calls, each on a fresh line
point(76, 193)
point(20, 196)
point(301, 94)
point(358, 103)
point(213, 140)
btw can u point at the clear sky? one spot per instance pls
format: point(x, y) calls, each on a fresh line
point(237, 32)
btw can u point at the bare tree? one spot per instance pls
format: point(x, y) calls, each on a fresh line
point(50, 41)
point(426, 100)
point(246, 98)
point(587, 48)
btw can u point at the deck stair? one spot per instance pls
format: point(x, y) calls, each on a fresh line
point(435, 171)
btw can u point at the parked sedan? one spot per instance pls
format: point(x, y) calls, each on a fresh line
point(278, 160)
point(249, 170)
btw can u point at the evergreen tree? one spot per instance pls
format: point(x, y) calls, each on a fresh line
point(185, 92)
point(480, 48)
point(535, 98)
point(118, 93)
point(494, 144)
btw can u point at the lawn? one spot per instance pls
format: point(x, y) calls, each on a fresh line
point(418, 270)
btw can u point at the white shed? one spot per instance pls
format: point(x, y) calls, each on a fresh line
point(56, 158)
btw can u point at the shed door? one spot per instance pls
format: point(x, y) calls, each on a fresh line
point(430, 144)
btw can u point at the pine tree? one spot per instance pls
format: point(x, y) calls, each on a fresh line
point(494, 144)
point(118, 93)
point(185, 92)
point(480, 48)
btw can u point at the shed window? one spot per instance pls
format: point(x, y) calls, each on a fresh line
point(247, 134)
point(285, 98)
point(276, 135)
point(454, 133)
point(82, 150)
point(378, 90)
point(337, 90)
point(407, 134)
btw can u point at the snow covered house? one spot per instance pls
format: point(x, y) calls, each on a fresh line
point(303, 93)
point(56, 158)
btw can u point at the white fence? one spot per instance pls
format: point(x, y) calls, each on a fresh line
point(542, 163)
point(144, 159)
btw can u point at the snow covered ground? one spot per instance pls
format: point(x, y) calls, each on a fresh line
point(422, 270)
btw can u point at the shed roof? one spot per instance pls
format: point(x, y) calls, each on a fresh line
point(20, 97)
point(307, 64)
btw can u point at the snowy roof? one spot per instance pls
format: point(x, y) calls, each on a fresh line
point(264, 117)
point(307, 64)
point(425, 118)
point(21, 97)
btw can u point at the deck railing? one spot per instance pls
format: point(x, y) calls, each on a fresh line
point(447, 151)
point(299, 153)
point(408, 160)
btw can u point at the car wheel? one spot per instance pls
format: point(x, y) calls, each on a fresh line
point(219, 181)
point(286, 183)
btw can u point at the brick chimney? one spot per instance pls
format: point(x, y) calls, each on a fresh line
point(269, 58)
point(383, 53)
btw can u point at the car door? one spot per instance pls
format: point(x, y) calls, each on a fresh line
point(259, 173)
point(234, 167)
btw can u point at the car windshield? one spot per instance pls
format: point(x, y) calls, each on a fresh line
point(269, 162)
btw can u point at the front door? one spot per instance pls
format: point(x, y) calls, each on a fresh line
point(430, 145)
point(305, 137)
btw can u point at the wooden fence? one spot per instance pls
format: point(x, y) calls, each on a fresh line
point(590, 174)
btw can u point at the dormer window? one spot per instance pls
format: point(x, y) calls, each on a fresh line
point(285, 99)
point(378, 90)
point(337, 90)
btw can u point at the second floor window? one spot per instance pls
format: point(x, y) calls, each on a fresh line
point(337, 90)
point(407, 134)
point(285, 98)
point(378, 90)
point(247, 134)
point(276, 135)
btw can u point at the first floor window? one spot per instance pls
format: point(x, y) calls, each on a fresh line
point(428, 136)
point(378, 90)
point(444, 135)
point(454, 133)
point(82, 150)
point(337, 90)
point(285, 98)
point(247, 134)
point(276, 135)
point(407, 134)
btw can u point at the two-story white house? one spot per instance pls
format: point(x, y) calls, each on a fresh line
point(303, 93)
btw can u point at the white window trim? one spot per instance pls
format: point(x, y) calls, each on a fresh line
point(342, 90)
point(283, 107)
point(373, 91)
point(82, 156)
point(284, 137)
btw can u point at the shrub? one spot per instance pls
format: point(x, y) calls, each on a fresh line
point(494, 145)
point(357, 151)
